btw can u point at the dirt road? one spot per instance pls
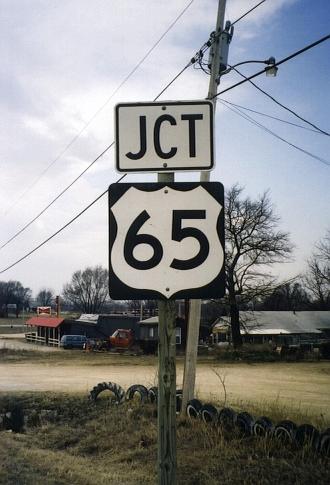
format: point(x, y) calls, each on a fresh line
point(300, 386)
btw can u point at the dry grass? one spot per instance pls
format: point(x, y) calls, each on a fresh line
point(78, 442)
point(74, 357)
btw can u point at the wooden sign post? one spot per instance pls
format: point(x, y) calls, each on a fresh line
point(166, 463)
point(166, 393)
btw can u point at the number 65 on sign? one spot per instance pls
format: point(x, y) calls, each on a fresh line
point(166, 240)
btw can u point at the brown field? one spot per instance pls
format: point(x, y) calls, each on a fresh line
point(69, 440)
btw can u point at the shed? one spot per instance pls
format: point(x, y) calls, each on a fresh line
point(100, 325)
point(45, 330)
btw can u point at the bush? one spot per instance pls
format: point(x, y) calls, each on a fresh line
point(247, 353)
point(325, 350)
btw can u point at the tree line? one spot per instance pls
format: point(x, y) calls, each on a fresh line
point(253, 244)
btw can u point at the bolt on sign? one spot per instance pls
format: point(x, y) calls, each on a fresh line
point(166, 240)
point(163, 137)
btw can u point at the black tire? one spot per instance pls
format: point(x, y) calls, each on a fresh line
point(208, 413)
point(262, 426)
point(227, 418)
point(153, 395)
point(193, 408)
point(285, 431)
point(118, 392)
point(324, 443)
point(306, 434)
point(244, 423)
point(137, 389)
point(178, 400)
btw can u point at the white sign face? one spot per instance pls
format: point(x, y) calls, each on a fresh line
point(163, 137)
point(166, 240)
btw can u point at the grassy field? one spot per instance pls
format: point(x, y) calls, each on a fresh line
point(70, 440)
point(12, 325)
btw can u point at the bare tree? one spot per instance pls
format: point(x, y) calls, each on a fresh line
point(88, 289)
point(287, 296)
point(13, 292)
point(323, 255)
point(317, 278)
point(45, 297)
point(252, 244)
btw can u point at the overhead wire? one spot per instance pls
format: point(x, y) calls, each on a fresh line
point(55, 233)
point(75, 138)
point(280, 104)
point(206, 45)
point(247, 13)
point(263, 127)
point(245, 108)
point(121, 178)
point(291, 56)
point(113, 142)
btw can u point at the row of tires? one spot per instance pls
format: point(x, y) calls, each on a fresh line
point(231, 421)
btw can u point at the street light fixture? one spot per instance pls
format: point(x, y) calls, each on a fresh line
point(271, 69)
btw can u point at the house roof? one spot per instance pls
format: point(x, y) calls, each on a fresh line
point(95, 318)
point(149, 321)
point(51, 322)
point(275, 322)
point(88, 318)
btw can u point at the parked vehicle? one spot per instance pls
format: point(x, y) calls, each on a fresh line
point(122, 339)
point(73, 341)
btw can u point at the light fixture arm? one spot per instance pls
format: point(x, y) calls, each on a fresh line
point(269, 62)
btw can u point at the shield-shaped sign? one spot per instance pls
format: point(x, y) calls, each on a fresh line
point(166, 240)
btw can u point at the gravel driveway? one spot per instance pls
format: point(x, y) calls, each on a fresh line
point(303, 386)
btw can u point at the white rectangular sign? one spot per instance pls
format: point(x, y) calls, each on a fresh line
point(164, 137)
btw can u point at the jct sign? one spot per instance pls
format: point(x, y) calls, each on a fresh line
point(164, 136)
point(166, 240)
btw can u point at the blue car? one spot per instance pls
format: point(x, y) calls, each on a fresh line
point(73, 341)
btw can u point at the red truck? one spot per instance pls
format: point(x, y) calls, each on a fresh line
point(121, 339)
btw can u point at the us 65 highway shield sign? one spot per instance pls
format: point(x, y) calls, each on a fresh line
point(166, 240)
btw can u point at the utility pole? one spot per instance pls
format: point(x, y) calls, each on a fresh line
point(218, 59)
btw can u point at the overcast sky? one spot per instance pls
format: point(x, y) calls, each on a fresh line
point(61, 61)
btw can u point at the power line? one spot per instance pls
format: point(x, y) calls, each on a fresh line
point(310, 46)
point(280, 104)
point(75, 138)
point(248, 12)
point(57, 197)
point(92, 163)
point(62, 228)
point(55, 234)
point(81, 174)
point(263, 127)
point(193, 60)
point(109, 146)
point(270, 116)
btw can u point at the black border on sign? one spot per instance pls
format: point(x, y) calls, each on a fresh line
point(119, 291)
point(168, 168)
